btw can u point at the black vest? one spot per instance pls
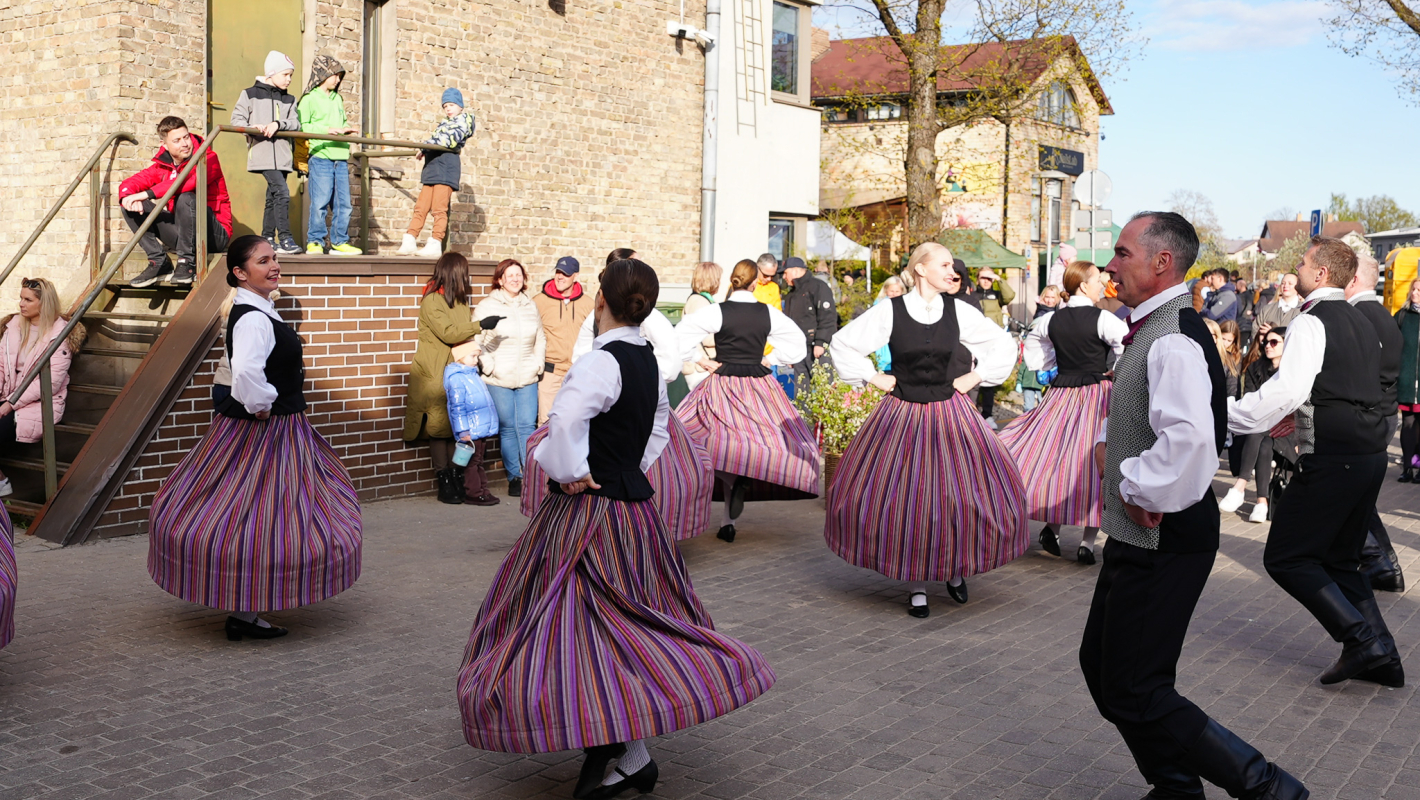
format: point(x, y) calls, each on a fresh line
point(926, 358)
point(739, 344)
point(285, 369)
point(617, 437)
point(1346, 395)
point(1392, 343)
point(1080, 354)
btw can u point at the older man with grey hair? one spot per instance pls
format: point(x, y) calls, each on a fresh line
point(1378, 560)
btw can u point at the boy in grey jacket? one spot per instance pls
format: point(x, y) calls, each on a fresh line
point(268, 106)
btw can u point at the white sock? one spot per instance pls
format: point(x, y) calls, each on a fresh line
point(954, 582)
point(250, 617)
point(918, 594)
point(1088, 539)
point(726, 519)
point(633, 761)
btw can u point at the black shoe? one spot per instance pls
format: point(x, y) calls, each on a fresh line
point(1391, 673)
point(448, 492)
point(1049, 542)
point(735, 503)
point(1361, 648)
point(1085, 555)
point(1407, 475)
point(1380, 566)
point(286, 245)
point(484, 499)
point(920, 612)
point(515, 487)
point(594, 767)
point(185, 273)
point(727, 532)
point(1235, 766)
point(237, 628)
point(642, 780)
point(156, 271)
point(958, 593)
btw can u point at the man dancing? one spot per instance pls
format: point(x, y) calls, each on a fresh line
point(1160, 451)
point(1330, 380)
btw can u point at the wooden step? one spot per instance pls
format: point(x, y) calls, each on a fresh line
point(166, 290)
point(123, 315)
point(22, 508)
point(74, 427)
point(93, 388)
point(31, 464)
point(113, 352)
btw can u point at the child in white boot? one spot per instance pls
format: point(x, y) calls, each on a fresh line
point(440, 177)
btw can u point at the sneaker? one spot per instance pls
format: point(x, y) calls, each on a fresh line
point(156, 271)
point(185, 273)
point(346, 249)
point(315, 249)
point(431, 249)
point(1259, 513)
point(5, 488)
point(286, 245)
point(408, 246)
point(1232, 500)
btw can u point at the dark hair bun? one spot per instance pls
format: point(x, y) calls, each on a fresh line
point(630, 288)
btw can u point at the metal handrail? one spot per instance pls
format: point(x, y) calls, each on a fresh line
point(64, 197)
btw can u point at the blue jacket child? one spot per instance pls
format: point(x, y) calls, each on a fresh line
point(471, 410)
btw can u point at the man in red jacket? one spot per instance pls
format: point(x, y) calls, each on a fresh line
point(176, 227)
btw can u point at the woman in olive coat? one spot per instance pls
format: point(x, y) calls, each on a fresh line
point(445, 320)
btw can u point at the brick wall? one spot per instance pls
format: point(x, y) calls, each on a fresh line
point(359, 334)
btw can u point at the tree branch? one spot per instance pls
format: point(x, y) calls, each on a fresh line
point(1405, 14)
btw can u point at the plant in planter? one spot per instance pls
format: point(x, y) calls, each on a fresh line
point(836, 411)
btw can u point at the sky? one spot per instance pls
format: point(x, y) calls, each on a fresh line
point(1249, 103)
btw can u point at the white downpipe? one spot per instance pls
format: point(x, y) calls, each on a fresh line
point(709, 136)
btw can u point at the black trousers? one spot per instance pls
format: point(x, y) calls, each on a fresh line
point(276, 218)
point(1408, 437)
point(1129, 653)
point(1320, 525)
point(177, 229)
point(986, 400)
point(1376, 526)
point(1257, 459)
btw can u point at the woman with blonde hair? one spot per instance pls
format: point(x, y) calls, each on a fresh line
point(759, 446)
point(1054, 444)
point(925, 491)
point(704, 285)
point(23, 339)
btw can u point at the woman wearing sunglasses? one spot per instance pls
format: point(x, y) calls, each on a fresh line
point(1258, 367)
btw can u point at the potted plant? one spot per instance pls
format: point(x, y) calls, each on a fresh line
point(836, 411)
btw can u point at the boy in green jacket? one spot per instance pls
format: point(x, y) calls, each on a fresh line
point(322, 110)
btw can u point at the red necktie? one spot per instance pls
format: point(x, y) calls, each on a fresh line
point(1134, 328)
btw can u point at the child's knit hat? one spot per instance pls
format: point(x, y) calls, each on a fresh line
point(452, 95)
point(277, 61)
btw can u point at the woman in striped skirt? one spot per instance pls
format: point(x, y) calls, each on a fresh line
point(591, 635)
point(760, 447)
point(8, 578)
point(1054, 443)
point(261, 515)
point(925, 491)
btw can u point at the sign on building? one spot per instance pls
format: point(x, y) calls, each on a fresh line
point(1070, 162)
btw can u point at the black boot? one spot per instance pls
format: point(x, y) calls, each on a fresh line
point(594, 767)
point(1391, 673)
point(448, 493)
point(1171, 781)
point(1380, 566)
point(459, 490)
point(1407, 475)
point(1236, 767)
point(1361, 649)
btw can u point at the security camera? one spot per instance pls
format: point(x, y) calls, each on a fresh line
point(704, 39)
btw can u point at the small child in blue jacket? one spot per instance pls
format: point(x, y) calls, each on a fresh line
point(474, 419)
point(440, 178)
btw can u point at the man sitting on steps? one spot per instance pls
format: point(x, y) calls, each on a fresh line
point(176, 227)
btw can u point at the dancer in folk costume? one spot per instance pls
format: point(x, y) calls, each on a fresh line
point(1053, 445)
point(591, 635)
point(8, 578)
point(760, 447)
point(681, 476)
point(925, 491)
point(261, 515)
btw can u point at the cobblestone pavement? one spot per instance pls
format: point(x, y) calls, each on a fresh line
point(114, 689)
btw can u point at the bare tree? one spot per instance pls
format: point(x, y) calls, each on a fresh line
point(1197, 208)
point(1384, 31)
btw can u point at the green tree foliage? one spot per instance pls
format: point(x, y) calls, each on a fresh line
point(1378, 212)
point(1290, 255)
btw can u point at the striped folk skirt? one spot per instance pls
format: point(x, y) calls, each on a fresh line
point(592, 634)
point(260, 516)
point(9, 576)
point(1054, 448)
point(681, 476)
point(926, 492)
point(749, 428)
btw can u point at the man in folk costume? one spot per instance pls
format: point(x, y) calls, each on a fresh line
point(1160, 450)
point(1329, 382)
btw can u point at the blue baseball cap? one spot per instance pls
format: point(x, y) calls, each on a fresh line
point(568, 265)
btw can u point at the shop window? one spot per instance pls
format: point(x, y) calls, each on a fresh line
point(1057, 104)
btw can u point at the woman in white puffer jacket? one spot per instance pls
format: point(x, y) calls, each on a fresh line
point(512, 362)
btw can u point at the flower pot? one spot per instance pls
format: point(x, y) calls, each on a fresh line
point(830, 466)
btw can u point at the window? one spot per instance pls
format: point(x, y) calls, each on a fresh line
point(837, 115)
point(885, 111)
point(781, 238)
point(1035, 209)
point(784, 53)
point(377, 75)
point(1057, 104)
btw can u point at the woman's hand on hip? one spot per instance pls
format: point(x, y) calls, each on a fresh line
point(884, 381)
point(580, 485)
point(967, 382)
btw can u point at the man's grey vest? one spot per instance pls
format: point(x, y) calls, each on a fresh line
point(1194, 529)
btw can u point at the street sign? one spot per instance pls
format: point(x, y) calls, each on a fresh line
point(1093, 188)
point(1316, 222)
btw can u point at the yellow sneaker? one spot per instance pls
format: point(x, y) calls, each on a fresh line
point(346, 249)
point(315, 249)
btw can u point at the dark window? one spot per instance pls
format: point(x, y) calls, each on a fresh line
point(781, 238)
point(785, 52)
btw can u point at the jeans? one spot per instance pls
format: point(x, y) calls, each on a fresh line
point(517, 417)
point(176, 230)
point(276, 218)
point(329, 182)
point(1030, 398)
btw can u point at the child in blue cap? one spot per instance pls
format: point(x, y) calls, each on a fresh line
point(440, 178)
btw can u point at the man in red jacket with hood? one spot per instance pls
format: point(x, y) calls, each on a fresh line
point(176, 227)
point(563, 307)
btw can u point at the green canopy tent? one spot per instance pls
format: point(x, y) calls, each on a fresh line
point(978, 249)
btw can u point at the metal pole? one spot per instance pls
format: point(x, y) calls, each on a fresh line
point(46, 412)
point(200, 230)
point(365, 203)
point(709, 135)
point(94, 234)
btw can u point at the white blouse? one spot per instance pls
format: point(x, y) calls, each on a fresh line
point(656, 329)
point(992, 347)
point(253, 339)
point(591, 387)
point(1040, 352)
point(788, 340)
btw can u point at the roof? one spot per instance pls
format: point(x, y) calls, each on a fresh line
point(1402, 233)
point(875, 66)
point(1276, 232)
point(1237, 245)
point(977, 249)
